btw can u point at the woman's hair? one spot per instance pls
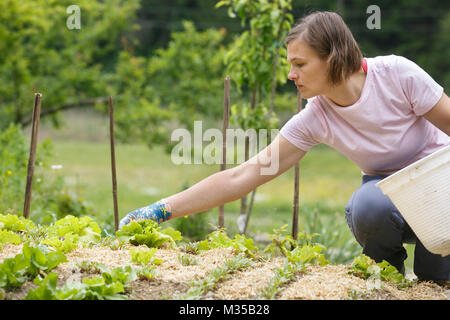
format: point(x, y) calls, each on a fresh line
point(328, 35)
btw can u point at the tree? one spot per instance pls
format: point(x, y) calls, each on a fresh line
point(39, 53)
point(177, 85)
point(253, 62)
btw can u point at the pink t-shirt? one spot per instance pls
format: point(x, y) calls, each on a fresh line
point(384, 131)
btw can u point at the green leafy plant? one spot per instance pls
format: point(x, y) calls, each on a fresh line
point(144, 256)
point(296, 261)
point(299, 253)
point(68, 233)
point(190, 247)
point(220, 239)
point(147, 232)
point(12, 222)
point(283, 242)
point(110, 285)
point(27, 265)
point(281, 277)
point(308, 254)
point(65, 244)
point(9, 237)
point(90, 266)
point(366, 268)
point(187, 259)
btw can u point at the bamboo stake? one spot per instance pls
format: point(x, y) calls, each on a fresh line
point(113, 163)
point(295, 207)
point(32, 157)
point(226, 108)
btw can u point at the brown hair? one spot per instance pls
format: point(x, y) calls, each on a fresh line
point(327, 34)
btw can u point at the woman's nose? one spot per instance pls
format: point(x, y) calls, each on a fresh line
point(292, 75)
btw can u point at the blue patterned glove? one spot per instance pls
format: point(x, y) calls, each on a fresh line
point(157, 211)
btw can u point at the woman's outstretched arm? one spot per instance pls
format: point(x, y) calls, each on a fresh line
point(232, 184)
point(224, 186)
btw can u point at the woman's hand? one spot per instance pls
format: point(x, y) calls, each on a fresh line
point(158, 211)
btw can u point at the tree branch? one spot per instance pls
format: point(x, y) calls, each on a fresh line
point(82, 103)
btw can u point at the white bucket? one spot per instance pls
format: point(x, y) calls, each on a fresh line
point(421, 192)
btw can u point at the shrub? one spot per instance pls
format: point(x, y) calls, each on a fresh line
point(51, 200)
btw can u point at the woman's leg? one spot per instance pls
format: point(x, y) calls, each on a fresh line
point(430, 266)
point(381, 230)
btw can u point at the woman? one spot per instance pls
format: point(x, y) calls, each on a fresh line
point(383, 113)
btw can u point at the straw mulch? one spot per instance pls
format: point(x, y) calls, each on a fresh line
point(330, 282)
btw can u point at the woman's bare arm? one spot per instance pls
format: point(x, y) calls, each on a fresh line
point(232, 184)
point(439, 115)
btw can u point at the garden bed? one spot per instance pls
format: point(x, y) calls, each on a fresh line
point(173, 279)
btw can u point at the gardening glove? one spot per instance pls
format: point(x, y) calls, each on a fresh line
point(158, 211)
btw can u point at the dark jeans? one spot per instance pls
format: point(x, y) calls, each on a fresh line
point(381, 230)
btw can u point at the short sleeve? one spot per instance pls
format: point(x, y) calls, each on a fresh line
point(299, 130)
point(419, 87)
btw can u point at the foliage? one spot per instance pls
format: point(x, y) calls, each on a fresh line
point(85, 227)
point(68, 233)
point(201, 13)
point(144, 256)
point(195, 227)
point(284, 243)
point(11, 222)
point(15, 230)
point(329, 232)
point(365, 267)
point(147, 232)
point(37, 261)
point(178, 84)
point(281, 277)
point(220, 239)
point(192, 61)
point(252, 60)
point(50, 199)
point(138, 114)
point(433, 62)
point(298, 257)
point(190, 247)
point(111, 285)
point(9, 237)
point(40, 54)
point(27, 265)
point(89, 266)
point(64, 235)
point(187, 260)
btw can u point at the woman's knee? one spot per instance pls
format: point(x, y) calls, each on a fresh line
point(370, 211)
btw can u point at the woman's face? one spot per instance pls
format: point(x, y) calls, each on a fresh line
point(308, 71)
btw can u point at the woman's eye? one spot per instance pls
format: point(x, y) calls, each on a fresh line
point(299, 64)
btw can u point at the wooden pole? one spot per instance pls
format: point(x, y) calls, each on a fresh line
point(113, 163)
point(295, 207)
point(32, 157)
point(223, 165)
